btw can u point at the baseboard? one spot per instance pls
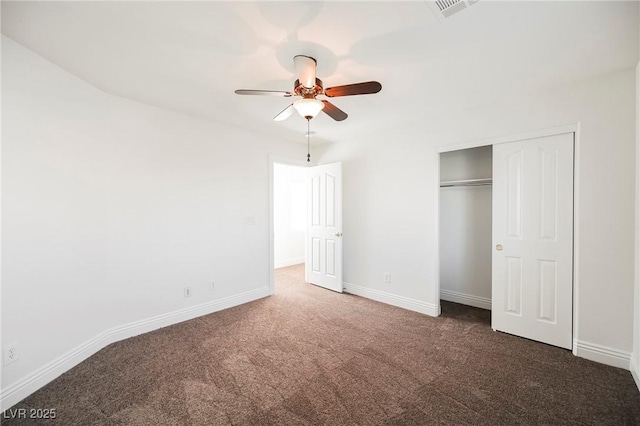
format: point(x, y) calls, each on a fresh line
point(393, 299)
point(633, 367)
point(19, 390)
point(465, 299)
point(603, 354)
point(288, 262)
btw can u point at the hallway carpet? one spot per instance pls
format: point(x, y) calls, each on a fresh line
point(308, 356)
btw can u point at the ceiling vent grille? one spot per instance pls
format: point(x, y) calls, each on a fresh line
point(444, 9)
point(449, 7)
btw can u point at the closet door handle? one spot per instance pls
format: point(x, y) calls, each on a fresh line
point(499, 247)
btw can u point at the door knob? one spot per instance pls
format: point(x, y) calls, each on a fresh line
point(338, 234)
point(499, 247)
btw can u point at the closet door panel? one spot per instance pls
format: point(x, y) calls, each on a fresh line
point(533, 223)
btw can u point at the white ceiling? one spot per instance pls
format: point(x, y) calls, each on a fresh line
point(191, 56)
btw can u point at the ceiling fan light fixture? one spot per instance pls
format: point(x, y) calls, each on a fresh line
point(308, 107)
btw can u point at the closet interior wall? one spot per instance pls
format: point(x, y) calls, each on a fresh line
point(465, 226)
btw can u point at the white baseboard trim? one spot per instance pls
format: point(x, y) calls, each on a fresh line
point(633, 367)
point(24, 387)
point(288, 262)
point(603, 354)
point(393, 299)
point(465, 299)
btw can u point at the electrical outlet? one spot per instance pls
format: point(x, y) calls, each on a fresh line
point(212, 286)
point(187, 292)
point(10, 354)
point(387, 277)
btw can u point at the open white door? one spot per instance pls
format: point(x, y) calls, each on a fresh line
point(324, 226)
point(532, 283)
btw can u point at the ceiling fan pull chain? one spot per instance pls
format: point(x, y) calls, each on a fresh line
point(308, 153)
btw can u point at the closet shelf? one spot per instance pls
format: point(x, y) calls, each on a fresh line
point(466, 182)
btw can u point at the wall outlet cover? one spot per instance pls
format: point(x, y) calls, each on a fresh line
point(10, 354)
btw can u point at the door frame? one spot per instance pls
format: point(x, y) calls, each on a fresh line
point(273, 159)
point(569, 128)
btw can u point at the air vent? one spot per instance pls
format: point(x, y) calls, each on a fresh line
point(449, 7)
point(444, 9)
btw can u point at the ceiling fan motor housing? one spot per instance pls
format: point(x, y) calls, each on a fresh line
point(306, 92)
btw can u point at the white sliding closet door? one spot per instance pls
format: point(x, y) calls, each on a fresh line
point(532, 264)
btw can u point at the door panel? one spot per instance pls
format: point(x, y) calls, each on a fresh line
point(331, 258)
point(315, 254)
point(514, 196)
point(324, 226)
point(514, 285)
point(315, 201)
point(547, 290)
point(330, 199)
point(548, 174)
point(533, 239)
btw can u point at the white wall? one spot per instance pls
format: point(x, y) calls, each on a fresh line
point(110, 209)
point(391, 194)
point(289, 214)
point(462, 164)
point(635, 359)
point(465, 228)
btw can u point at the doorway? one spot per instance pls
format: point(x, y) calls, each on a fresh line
point(465, 226)
point(289, 217)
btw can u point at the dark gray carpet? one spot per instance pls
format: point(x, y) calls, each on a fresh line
point(308, 356)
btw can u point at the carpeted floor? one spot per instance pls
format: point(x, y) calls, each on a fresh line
point(308, 356)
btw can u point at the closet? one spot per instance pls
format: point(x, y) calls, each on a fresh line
point(465, 226)
point(506, 234)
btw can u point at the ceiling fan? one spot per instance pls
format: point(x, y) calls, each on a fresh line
point(308, 87)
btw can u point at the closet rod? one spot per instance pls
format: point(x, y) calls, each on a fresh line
point(466, 182)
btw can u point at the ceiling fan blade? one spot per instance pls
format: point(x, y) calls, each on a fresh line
point(365, 88)
point(333, 111)
point(306, 70)
point(264, 93)
point(284, 114)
